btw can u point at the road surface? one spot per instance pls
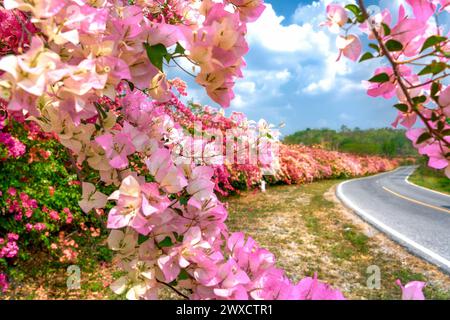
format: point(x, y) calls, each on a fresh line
point(416, 217)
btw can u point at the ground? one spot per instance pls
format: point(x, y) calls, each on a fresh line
point(431, 179)
point(307, 229)
point(310, 231)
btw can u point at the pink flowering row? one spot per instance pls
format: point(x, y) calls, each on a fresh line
point(301, 164)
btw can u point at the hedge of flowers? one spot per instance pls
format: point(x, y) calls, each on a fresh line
point(92, 74)
point(301, 164)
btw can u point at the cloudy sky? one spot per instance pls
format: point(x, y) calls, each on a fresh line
point(292, 75)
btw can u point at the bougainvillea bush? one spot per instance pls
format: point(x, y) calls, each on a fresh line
point(414, 50)
point(301, 164)
point(39, 194)
point(93, 75)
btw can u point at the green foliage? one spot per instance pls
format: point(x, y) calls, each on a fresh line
point(430, 178)
point(386, 142)
point(53, 183)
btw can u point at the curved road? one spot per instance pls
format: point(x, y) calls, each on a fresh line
point(416, 217)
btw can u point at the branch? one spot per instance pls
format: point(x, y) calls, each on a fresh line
point(395, 67)
point(174, 289)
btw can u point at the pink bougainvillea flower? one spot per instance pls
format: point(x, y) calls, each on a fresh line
point(153, 201)
point(170, 177)
point(336, 17)
point(180, 256)
point(422, 9)
point(412, 290)
point(249, 10)
point(386, 89)
point(200, 185)
point(349, 46)
point(444, 101)
point(117, 148)
point(129, 201)
point(445, 5)
point(376, 21)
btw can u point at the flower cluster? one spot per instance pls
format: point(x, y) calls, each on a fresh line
point(15, 31)
point(13, 147)
point(8, 246)
point(4, 284)
point(417, 50)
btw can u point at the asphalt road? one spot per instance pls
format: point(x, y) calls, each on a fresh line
point(417, 218)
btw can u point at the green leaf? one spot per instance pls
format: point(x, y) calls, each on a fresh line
point(433, 68)
point(156, 54)
point(419, 99)
point(380, 78)
point(423, 137)
point(374, 47)
point(179, 49)
point(184, 200)
point(386, 29)
point(434, 89)
point(167, 242)
point(394, 45)
point(183, 275)
point(354, 9)
point(402, 107)
point(432, 41)
point(142, 239)
point(131, 85)
point(366, 56)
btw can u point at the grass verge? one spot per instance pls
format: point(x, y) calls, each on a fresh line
point(431, 179)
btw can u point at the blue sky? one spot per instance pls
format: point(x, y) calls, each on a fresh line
point(292, 75)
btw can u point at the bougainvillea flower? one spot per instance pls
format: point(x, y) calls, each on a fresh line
point(170, 177)
point(249, 10)
point(336, 17)
point(444, 101)
point(412, 290)
point(422, 9)
point(91, 198)
point(349, 46)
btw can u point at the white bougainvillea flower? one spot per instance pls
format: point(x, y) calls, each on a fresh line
point(91, 198)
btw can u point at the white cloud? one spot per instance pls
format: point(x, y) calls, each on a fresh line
point(246, 86)
point(238, 102)
point(269, 32)
point(310, 49)
point(283, 75)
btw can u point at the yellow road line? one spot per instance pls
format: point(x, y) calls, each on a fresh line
point(416, 201)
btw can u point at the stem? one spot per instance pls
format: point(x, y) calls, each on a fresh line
point(430, 81)
point(395, 68)
point(74, 165)
point(189, 73)
point(174, 289)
